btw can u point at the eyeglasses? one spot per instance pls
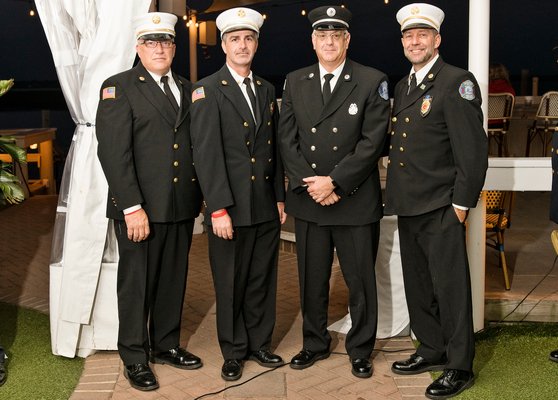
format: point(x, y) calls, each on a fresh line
point(335, 36)
point(151, 44)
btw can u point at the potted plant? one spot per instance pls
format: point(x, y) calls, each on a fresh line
point(11, 191)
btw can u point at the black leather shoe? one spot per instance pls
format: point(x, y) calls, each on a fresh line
point(178, 358)
point(417, 365)
point(266, 358)
point(141, 377)
point(232, 370)
point(553, 356)
point(3, 373)
point(450, 383)
point(362, 367)
point(307, 358)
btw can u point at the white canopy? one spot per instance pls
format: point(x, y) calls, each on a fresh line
point(90, 41)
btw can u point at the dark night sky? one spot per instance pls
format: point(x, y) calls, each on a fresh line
point(523, 34)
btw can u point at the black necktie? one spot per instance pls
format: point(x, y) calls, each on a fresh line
point(168, 92)
point(413, 83)
point(326, 90)
point(252, 98)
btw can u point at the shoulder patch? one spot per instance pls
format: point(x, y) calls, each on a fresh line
point(467, 90)
point(198, 94)
point(383, 90)
point(109, 93)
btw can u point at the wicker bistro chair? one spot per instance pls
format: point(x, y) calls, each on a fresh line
point(500, 108)
point(545, 123)
point(498, 218)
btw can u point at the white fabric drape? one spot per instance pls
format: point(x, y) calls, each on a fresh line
point(90, 40)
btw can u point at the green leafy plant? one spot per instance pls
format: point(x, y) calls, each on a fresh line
point(11, 191)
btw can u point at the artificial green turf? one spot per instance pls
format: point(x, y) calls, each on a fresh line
point(34, 373)
point(511, 363)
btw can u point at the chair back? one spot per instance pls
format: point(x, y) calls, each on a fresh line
point(500, 105)
point(548, 108)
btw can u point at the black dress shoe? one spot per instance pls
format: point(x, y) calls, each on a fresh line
point(553, 356)
point(3, 373)
point(362, 367)
point(417, 365)
point(178, 358)
point(266, 358)
point(232, 370)
point(450, 383)
point(141, 377)
point(307, 358)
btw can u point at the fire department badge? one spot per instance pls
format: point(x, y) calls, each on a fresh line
point(467, 90)
point(353, 109)
point(426, 105)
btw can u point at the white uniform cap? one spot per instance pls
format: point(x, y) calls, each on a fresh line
point(155, 23)
point(420, 15)
point(239, 18)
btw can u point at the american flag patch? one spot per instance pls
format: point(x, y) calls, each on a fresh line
point(198, 94)
point(109, 93)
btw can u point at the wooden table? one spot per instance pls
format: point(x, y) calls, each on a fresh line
point(43, 137)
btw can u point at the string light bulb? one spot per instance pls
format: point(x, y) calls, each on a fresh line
point(184, 17)
point(188, 24)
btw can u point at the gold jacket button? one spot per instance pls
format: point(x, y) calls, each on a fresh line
point(334, 130)
point(407, 119)
point(313, 166)
point(253, 178)
point(401, 149)
point(175, 146)
point(193, 179)
point(253, 160)
point(268, 123)
point(175, 163)
point(245, 123)
point(394, 119)
point(269, 141)
point(175, 130)
point(401, 164)
point(404, 134)
point(269, 160)
point(248, 143)
point(175, 180)
point(392, 133)
point(313, 148)
point(335, 148)
point(313, 130)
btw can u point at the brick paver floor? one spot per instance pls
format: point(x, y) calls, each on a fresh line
point(24, 277)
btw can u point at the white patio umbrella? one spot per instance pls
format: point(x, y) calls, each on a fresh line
point(90, 40)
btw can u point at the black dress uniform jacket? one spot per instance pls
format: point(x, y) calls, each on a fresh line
point(340, 140)
point(248, 181)
point(438, 151)
point(146, 156)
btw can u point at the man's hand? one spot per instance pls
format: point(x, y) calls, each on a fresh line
point(137, 224)
point(319, 187)
point(331, 199)
point(222, 225)
point(282, 213)
point(461, 214)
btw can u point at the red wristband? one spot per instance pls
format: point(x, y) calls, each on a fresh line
point(218, 214)
point(133, 212)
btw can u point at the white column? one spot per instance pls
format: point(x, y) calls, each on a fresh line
point(479, 39)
